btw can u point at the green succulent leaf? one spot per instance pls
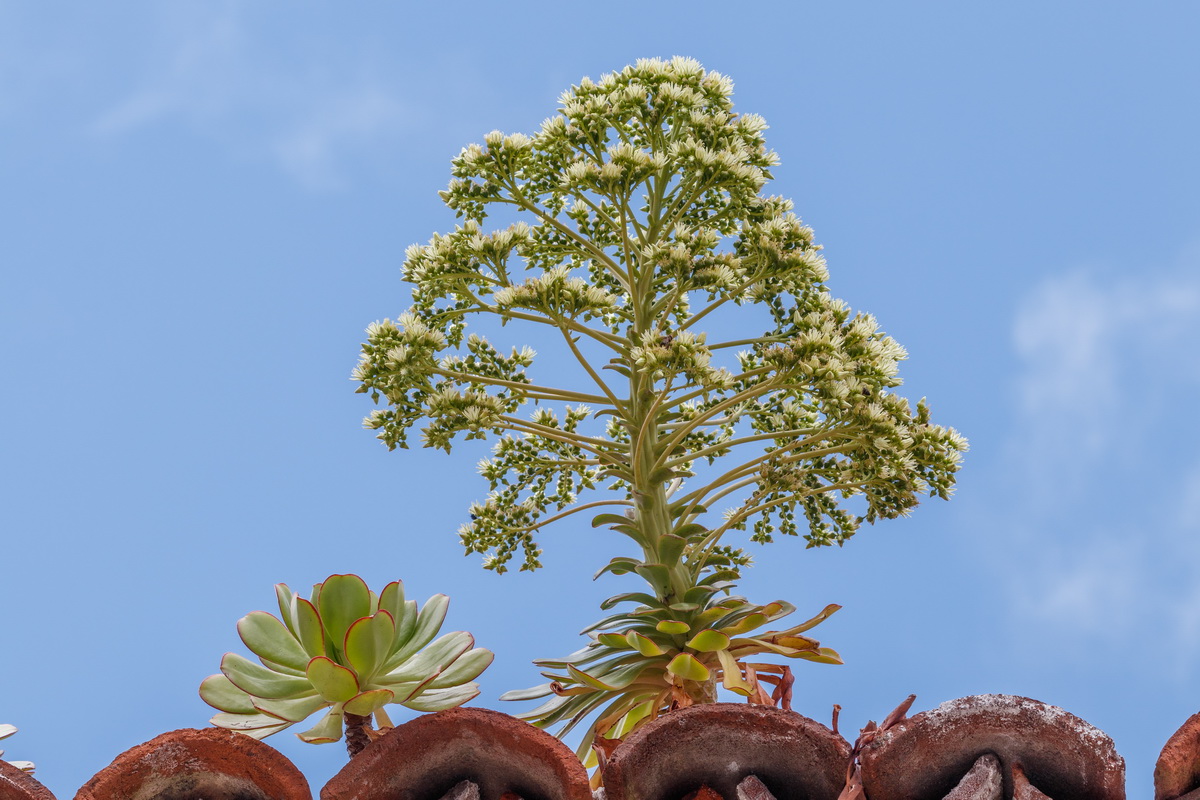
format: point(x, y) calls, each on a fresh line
point(292, 711)
point(282, 670)
point(329, 729)
point(621, 565)
point(579, 676)
point(794, 642)
point(368, 702)
point(609, 622)
point(691, 530)
point(406, 625)
point(710, 615)
point(809, 624)
point(335, 683)
point(428, 623)
point(643, 644)
point(342, 600)
point(635, 597)
point(547, 713)
point(613, 640)
point(443, 699)
point(672, 626)
point(778, 609)
point(676, 509)
point(823, 655)
point(308, 627)
point(368, 642)
point(579, 656)
point(220, 693)
point(731, 675)
point(532, 693)
point(719, 579)
point(708, 641)
point(257, 680)
point(671, 547)
point(257, 726)
point(270, 639)
point(751, 646)
point(686, 666)
point(576, 710)
point(657, 575)
point(609, 519)
point(746, 624)
point(284, 595)
point(391, 599)
point(434, 658)
point(634, 717)
point(467, 667)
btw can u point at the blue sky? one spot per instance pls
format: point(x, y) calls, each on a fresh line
point(204, 204)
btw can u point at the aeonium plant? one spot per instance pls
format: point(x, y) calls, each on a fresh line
point(6, 731)
point(345, 649)
point(641, 220)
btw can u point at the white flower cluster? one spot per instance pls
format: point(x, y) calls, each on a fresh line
point(662, 354)
point(404, 350)
point(556, 292)
point(400, 362)
point(452, 410)
point(467, 255)
point(641, 213)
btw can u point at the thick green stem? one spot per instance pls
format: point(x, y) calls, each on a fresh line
point(644, 416)
point(649, 494)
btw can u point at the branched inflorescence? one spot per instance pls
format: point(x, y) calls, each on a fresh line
point(643, 220)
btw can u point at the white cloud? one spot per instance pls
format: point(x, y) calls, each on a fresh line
point(134, 112)
point(1102, 519)
point(1189, 497)
point(211, 74)
point(355, 118)
point(199, 72)
point(1101, 359)
point(1063, 334)
point(1087, 591)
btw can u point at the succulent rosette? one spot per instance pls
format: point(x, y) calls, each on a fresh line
point(646, 661)
point(345, 649)
point(6, 731)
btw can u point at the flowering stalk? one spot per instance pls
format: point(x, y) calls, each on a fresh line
point(642, 217)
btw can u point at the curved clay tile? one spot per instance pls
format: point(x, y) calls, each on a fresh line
point(924, 757)
point(426, 758)
point(1178, 769)
point(209, 763)
point(719, 745)
point(16, 784)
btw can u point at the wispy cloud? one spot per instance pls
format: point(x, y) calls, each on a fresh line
point(1090, 591)
point(1064, 335)
point(357, 117)
point(1101, 360)
point(199, 71)
point(1104, 518)
point(210, 74)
